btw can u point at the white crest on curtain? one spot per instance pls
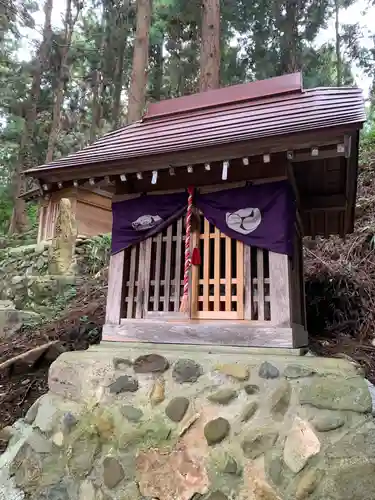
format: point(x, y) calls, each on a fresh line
point(244, 221)
point(145, 222)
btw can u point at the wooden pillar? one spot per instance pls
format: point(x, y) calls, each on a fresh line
point(114, 306)
point(280, 290)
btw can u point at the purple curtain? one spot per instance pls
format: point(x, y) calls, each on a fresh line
point(261, 216)
point(137, 219)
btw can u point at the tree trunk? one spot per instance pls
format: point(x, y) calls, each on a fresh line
point(156, 82)
point(118, 83)
point(290, 39)
point(338, 45)
point(210, 45)
point(138, 82)
point(63, 78)
point(19, 222)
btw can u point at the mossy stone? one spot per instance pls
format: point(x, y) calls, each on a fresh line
point(338, 394)
point(177, 408)
point(222, 396)
point(298, 371)
point(131, 413)
point(186, 370)
point(216, 430)
point(259, 441)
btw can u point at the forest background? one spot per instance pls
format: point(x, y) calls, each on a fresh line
point(71, 70)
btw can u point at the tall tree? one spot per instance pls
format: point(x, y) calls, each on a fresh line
point(64, 73)
point(210, 45)
point(27, 156)
point(338, 44)
point(138, 82)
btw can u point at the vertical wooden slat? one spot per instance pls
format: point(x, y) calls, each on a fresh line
point(206, 265)
point(248, 284)
point(133, 255)
point(146, 278)
point(260, 279)
point(228, 274)
point(157, 271)
point(40, 223)
point(167, 276)
point(279, 289)
point(217, 271)
point(141, 277)
point(194, 280)
point(115, 289)
point(177, 270)
point(240, 280)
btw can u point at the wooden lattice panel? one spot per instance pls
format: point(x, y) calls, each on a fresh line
point(217, 284)
point(154, 273)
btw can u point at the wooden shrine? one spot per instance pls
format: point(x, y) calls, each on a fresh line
point(252, 134)
point(91, 207)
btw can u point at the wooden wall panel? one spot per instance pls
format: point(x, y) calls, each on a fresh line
point(93, 220)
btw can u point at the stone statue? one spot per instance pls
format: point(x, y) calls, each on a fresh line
point(61, 253)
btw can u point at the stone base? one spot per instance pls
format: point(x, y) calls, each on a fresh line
point(145, 421)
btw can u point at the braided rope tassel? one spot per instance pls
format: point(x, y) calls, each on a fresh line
point(184, 307)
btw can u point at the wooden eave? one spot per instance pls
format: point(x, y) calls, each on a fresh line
point(222, 152)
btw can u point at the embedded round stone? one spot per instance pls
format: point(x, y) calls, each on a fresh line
point(216, 495)
point(121, 363)
point(131, 413)
point(69, 421)
point(186, 370)
point(222, 396)
point(177, 408)
point(298, 371)
point(151, 363)
point(157, 394)
point(249, 411)
point(259, 441)
point(113, 472)
point(230, 466)
point(267, 370)
point(328, 423)
point(234, 370)
point(251, 389)
point(216, 430)
point(124, 383)
point(280, 399)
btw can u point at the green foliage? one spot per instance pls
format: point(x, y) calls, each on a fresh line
point(97, 250)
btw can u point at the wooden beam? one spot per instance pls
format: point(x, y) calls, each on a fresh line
point(229, 333)
point(115, 289)
point(300, 157)
point(254, 172)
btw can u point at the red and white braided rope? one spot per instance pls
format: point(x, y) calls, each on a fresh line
point(187, 242)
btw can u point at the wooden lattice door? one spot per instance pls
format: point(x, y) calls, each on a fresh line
point(218, 283)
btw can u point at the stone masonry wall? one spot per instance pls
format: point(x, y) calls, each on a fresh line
point(187, 423)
